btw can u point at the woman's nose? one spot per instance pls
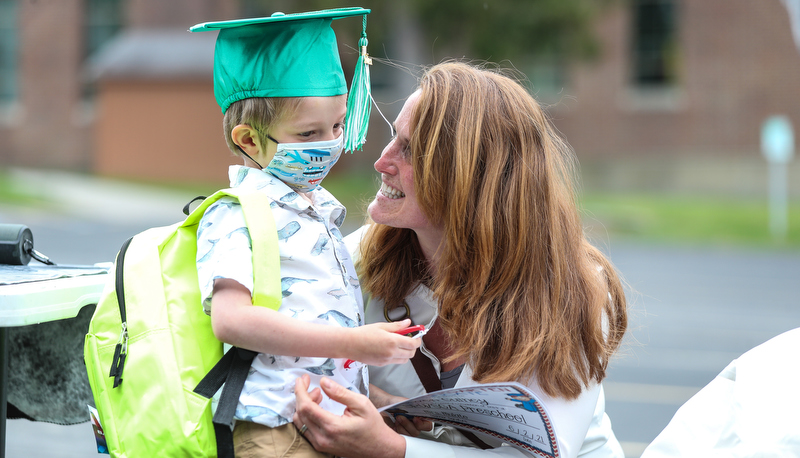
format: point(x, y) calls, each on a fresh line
point(385, 164)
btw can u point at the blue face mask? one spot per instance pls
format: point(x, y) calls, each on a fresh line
point(302, 166)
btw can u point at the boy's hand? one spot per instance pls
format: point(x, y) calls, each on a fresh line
point(378, 345)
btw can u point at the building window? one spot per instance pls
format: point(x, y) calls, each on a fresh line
point(547, 77)
point(104, 19)
point(257, 8)
point(9, 44)
point(654, 43)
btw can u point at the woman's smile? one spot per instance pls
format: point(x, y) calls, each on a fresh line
point(391, 192)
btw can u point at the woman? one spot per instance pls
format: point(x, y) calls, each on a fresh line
point(476, 233)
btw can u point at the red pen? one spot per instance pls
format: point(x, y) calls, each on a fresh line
point(404, 331)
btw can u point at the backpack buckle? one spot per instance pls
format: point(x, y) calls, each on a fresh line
point(120, 352)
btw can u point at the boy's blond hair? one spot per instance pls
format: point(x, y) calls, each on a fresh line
point(259, 113)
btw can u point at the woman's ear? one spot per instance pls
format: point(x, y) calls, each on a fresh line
point(247, 139)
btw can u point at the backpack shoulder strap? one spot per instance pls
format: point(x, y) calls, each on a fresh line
point(264, 236)
point(232, 370)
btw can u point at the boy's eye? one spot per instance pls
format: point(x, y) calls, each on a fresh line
point(306, 134)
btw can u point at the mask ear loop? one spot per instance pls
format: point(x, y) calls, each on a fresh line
point(270, 138)
point(248, 156)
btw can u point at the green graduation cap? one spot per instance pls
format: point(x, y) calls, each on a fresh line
point(291, 55)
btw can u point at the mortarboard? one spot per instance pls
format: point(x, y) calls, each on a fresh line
point(290, 55)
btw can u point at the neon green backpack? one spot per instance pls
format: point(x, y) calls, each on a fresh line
point(150, 345)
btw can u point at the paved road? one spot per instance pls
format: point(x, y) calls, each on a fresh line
point(693, 310)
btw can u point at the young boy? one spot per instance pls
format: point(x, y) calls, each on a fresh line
point(281, 88)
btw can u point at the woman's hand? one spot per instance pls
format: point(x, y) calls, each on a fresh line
point(401, 424)
point(378, 344)
point(381, 398)
point(406, 427)
point(359, 432)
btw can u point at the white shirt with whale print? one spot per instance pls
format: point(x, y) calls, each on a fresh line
point(318, 281)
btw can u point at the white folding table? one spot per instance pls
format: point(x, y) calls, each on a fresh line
point(38, 294)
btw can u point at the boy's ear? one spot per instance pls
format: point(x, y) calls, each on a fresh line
point(247, 138)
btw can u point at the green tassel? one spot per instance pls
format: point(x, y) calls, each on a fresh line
point(358, 101)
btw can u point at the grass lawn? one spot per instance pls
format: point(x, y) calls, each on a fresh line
point(687, 218)
point(668, 218)
point(12, 195)
point(648, 217)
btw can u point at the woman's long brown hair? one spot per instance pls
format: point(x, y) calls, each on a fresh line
point(521, 291)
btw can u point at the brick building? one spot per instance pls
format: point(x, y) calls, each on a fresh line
point(676, 97)
point(680, 92)
point(52, 105)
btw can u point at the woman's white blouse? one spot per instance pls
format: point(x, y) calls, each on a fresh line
point(581, 425)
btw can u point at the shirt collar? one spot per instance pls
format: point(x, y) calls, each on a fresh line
point(324, 202)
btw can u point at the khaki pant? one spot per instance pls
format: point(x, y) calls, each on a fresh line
point(253, 440)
